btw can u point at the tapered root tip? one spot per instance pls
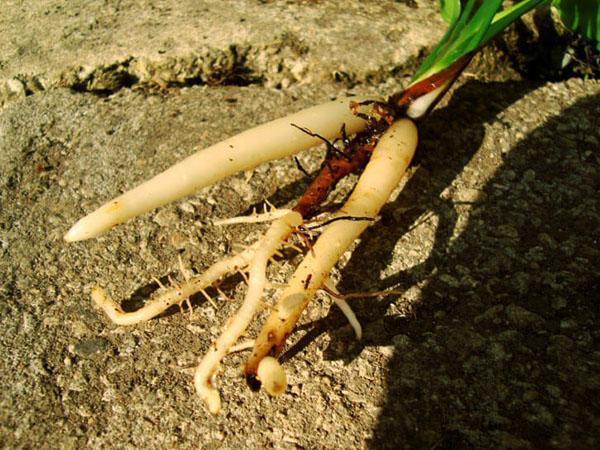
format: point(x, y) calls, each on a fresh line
point(213, 402)
point(86, 228)
point(75, 233)
point(99, 296)
point(103, 219)
point(209, 394)
point(272, 376)
point(104, 301)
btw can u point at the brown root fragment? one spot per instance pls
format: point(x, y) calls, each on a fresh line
point(338, 164)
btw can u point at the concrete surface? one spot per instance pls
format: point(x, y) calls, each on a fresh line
point(493, 242)
point(103, 46)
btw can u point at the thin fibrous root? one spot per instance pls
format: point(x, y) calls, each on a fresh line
point(278, 232)
point(267, 216)
point(246, 345)
point(343, 305)
point(275, 262)
point(184, 272)
point(172, 296)
point(222, 294)
point(208, 298)
point(244, 276)
point(160, 285)
point(381, 175)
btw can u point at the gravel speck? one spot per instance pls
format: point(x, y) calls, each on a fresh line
point(91, 347)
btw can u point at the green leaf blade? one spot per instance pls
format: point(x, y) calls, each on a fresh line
point(508, 16)
point(450, 10)
point(462, 37)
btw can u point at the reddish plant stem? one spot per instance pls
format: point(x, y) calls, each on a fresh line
point(403, 99)
point(336, 166)
point(358, 152)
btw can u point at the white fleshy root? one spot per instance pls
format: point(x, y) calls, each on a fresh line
point(266, 247)
point(242, 152)
point(172, 296)
point(382, 174)
point(272, 376)
point(345, 308)
point(272, 140)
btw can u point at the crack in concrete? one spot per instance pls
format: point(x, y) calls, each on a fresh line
point(277, 65)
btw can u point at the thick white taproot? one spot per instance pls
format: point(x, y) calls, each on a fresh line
point(382, 174)
point(384, 171)
point(244, 151)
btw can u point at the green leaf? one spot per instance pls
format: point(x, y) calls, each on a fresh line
point(454, 31)
point(508, 16)
point(582, 16)
point(450, 10)
point(462, 37)
point(472, 27)
point(479, 24)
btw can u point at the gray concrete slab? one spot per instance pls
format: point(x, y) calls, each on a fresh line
point(492, 243)
point(107, 45)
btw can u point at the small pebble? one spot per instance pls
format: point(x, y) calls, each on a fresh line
point(89, 347)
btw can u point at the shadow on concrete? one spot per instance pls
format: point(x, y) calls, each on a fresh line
point(487, 357)
point(471, 369)
point(445, 146)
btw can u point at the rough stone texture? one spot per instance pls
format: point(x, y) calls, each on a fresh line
point(104, 46)
point(493, 242)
